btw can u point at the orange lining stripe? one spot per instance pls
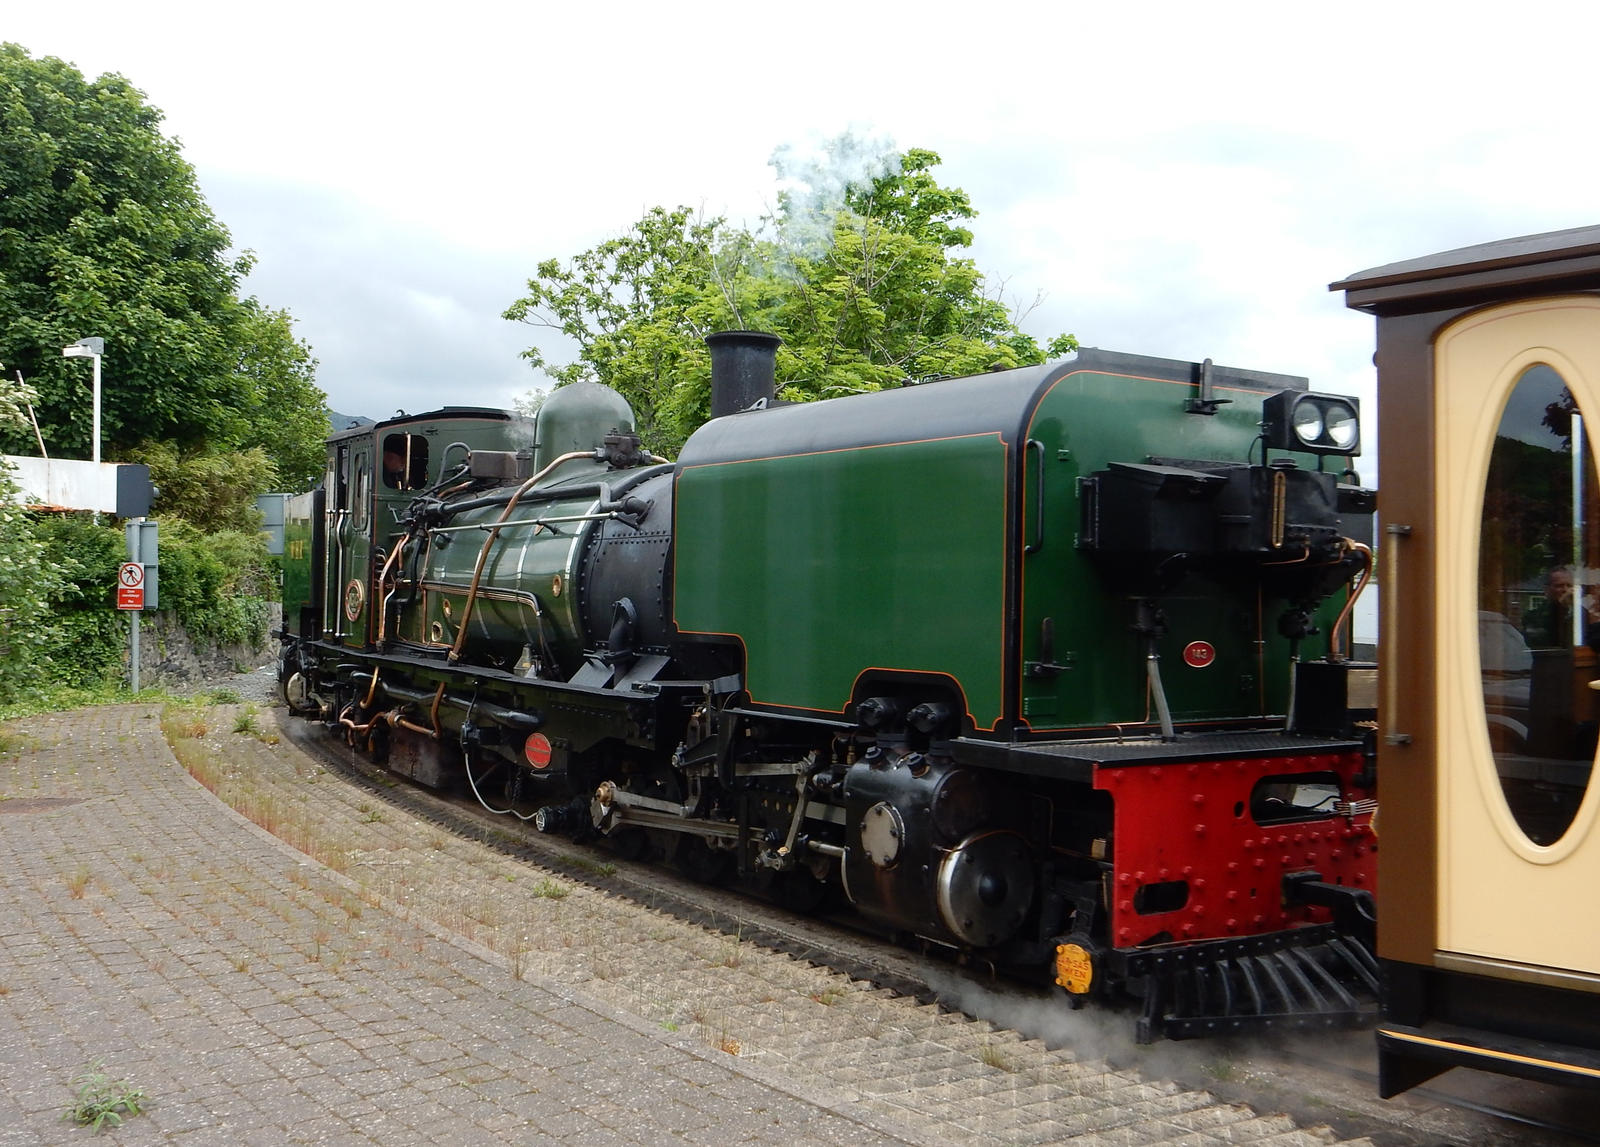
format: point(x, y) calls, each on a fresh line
point(1506, 1056)
point(850, 449)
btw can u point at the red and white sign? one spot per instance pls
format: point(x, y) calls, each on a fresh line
point(130, 585)
point(1199, 654)
point(538, 751)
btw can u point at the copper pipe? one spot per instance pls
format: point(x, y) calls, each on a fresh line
point(396, 719)
point(1350, 602)
point(372, 690)
point(433, 714)
point(351, 725)
point(488, 544)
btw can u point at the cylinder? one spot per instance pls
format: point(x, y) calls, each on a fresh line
point(744, 367)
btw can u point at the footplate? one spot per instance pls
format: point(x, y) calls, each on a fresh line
point(1312, 977)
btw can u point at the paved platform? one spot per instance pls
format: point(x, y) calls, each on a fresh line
point(260, 997)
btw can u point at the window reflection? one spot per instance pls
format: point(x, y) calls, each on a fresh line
point(1539, 605)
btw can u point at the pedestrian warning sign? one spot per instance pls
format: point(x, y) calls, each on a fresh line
point(130, 585)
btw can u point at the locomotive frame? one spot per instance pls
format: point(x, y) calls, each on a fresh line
point(1020, 664)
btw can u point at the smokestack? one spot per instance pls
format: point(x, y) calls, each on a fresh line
point(744, 368)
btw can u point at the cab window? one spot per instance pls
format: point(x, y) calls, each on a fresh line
point(405, 461)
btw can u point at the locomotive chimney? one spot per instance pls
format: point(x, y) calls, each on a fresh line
point(744, 367)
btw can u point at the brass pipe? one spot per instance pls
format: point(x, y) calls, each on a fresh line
point(351, 725)
point(433, 713)
point(377, 588)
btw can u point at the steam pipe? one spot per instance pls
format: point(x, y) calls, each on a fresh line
point(1365, 553)
point(1152, 664)
point(554, 493)
point(514, 718)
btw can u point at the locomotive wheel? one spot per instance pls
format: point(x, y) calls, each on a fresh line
point(629, 843)
point(800, 892)
point(699, 861)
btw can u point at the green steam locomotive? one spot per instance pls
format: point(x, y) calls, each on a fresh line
point(1047, 667)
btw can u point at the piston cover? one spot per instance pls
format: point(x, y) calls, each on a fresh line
point(985, 887)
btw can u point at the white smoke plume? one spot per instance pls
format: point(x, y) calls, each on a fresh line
point(812, 181)
point(1093, 1032)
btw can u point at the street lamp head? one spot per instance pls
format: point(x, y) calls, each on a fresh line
point(85, 348)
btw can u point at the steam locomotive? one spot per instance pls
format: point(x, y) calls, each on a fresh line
point(1047, 667)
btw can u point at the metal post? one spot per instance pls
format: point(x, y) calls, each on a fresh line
point(144, 548)
point(96, 359)
point(91, 348)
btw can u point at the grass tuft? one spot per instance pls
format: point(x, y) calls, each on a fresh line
point(78, 882)
point(993, 1056)
point(101, 1101)
point(585, 864)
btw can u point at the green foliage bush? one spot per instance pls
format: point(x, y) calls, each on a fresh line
point(28, 580)
point(87, 635)
point(218, 584)
point(57, 598)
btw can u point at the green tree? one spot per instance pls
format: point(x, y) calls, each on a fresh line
point(282, 413)
point(877, 292)
point(637, 306)
point(858, 270)
point(210, 489)
point(104, 231)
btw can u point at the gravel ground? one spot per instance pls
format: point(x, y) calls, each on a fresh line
point(257, 687)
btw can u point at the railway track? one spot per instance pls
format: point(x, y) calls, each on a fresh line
point(1327, 1077)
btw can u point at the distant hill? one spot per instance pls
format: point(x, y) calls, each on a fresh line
point(340, 422)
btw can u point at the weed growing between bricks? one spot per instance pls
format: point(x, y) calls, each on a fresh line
point(101, 1101)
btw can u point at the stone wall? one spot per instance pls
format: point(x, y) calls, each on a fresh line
point(167, 656)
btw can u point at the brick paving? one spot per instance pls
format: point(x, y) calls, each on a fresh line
point(409, 986)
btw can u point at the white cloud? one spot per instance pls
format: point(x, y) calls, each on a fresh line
point(1178, 179)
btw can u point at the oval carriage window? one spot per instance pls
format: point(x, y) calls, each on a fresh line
point(1539, 605)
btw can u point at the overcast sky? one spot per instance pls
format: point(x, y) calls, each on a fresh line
point(1180, 180)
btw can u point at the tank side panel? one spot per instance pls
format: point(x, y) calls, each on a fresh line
point(830, 564)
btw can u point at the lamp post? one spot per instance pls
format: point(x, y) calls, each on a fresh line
point(91, 348)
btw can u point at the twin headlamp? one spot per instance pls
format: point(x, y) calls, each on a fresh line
point(1311, 422)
